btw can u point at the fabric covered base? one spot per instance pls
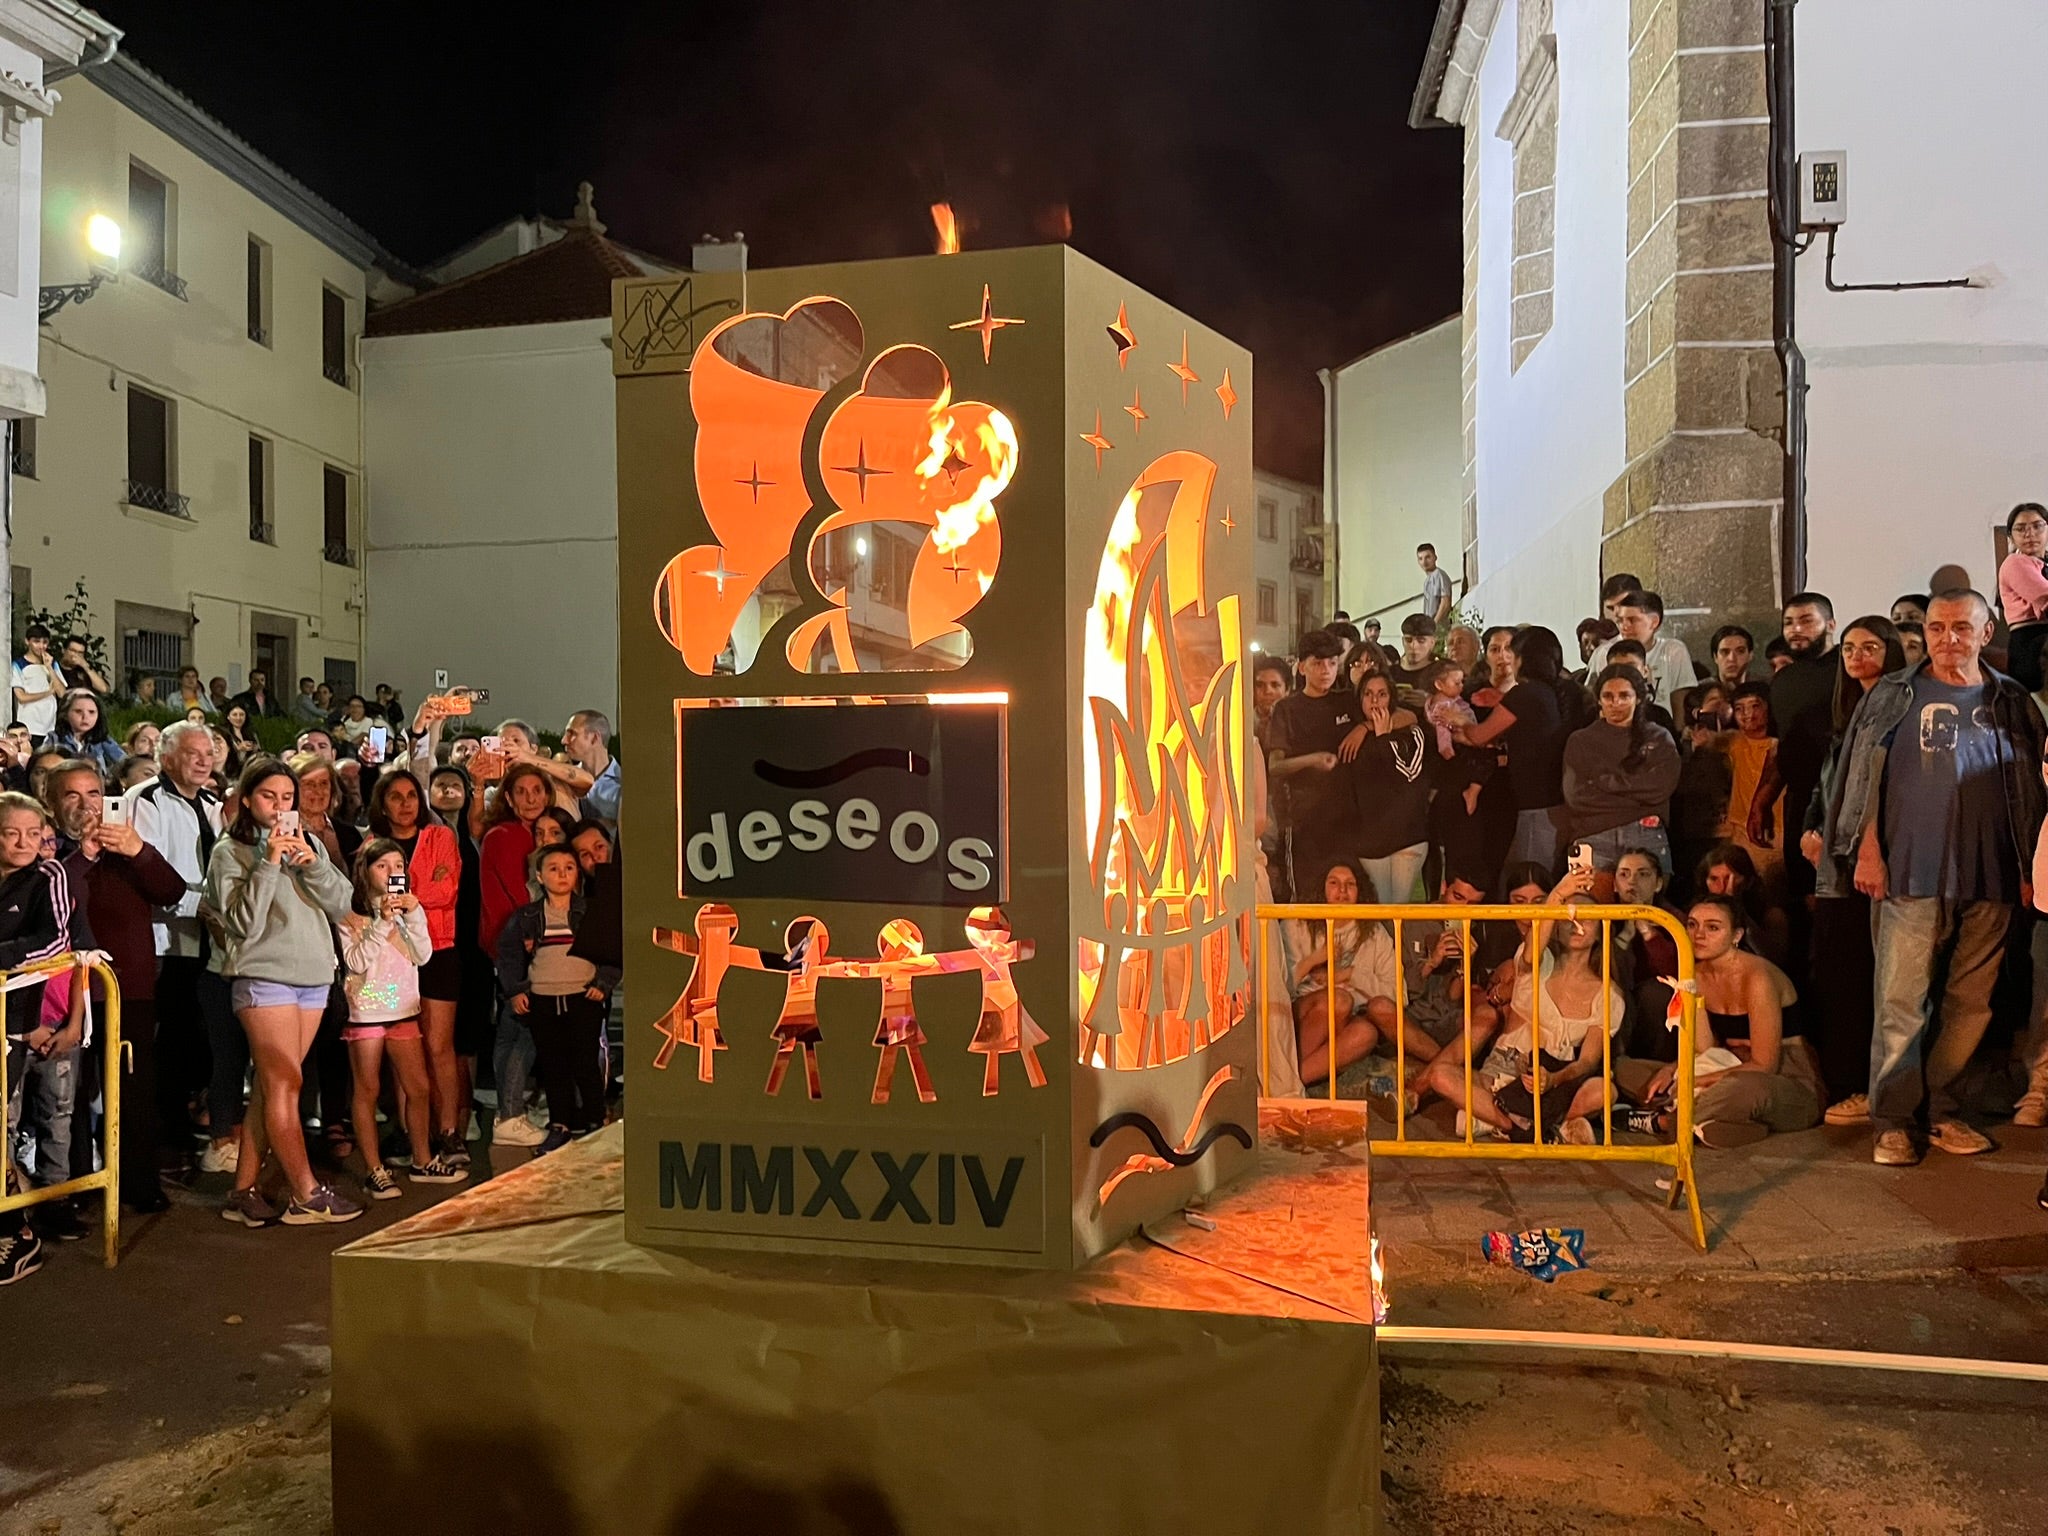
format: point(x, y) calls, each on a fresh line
point(507, 1361)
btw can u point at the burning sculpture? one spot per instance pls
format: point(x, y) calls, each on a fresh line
point(956, 677)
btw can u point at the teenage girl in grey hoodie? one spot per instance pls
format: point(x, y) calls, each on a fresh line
point(276, 895)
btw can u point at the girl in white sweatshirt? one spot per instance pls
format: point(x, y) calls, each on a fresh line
point(384, 942)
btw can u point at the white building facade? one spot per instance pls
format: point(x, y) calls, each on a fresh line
point(1289, 595)
point(200, 464)
point(1629, 317)
point(1393, 470)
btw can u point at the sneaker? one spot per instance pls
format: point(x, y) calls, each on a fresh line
point(1481, 1131)
point(516, 1131)
point(557, 1138)
point(1725, 1134)
point(323, 1205)
point(1854, 1110)
point(1894, 1149)
point(60, 1220)
point(1958, 1139)
point(21, 1255)
point(1575, 1132)
point(221, 1157)
point(438, 1171)
point(249, 1208)
point(2032, 1109)
point(1643, 1122)
point(452, 1150)
point(380, 1185)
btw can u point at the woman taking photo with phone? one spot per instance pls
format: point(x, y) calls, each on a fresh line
point(276, 895)
point(433, 867)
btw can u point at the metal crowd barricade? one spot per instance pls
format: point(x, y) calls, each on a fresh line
point(1675, 1154)
point(108, 1180)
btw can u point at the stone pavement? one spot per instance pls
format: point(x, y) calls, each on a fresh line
point(1811, 1203)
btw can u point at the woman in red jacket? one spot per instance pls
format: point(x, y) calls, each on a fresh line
point(433, 861)
point(508, 842)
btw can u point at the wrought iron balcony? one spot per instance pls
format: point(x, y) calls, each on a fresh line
point(155, 498)
point(339, 554)
point(1308, 555)
point(335, 373)
point(157, 275)
point(262, 532)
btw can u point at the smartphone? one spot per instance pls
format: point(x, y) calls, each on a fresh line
point(1582, 859)
point(114, 813)
point(399, 884)
point(495, 745)
point(380, 742)
point(479, 695)
point(287, 824)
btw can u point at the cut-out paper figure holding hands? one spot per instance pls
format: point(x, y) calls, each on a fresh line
point(903, 960)
point(803, 959)
point(694, 1018)
point(1006, 1025)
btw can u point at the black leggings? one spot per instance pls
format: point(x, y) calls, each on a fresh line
point(568, 1039)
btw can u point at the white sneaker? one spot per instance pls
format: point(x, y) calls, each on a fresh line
point(516, 1131)
point(1854, 1110)
point(2032, 1108)
point(221, 1157)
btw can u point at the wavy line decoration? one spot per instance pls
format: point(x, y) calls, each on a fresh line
point(853, 764)
point(1164, 1155)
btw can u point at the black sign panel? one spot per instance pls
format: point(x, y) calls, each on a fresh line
point(900, 803)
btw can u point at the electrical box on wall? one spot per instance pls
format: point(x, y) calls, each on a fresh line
point(1823, 188)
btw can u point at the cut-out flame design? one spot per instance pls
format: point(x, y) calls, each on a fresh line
point(1164, 965)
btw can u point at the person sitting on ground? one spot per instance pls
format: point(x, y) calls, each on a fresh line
point(1619, 773)
point(1568, 1031)
point(1727, 870)
point(1358, 992)
point(1755, 1074)
point(1646, 958)
point(1435, 971)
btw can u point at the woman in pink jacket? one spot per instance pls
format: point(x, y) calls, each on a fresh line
point(433, 860)
point(2023, 592)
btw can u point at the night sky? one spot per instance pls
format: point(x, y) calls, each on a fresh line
point(1249, 163)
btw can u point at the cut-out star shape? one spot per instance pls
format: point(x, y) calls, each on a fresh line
point(1229, 522)
point(1097, 441)
point(1137, 412)
point(1182, 371)
point(1125, 338)
point(754, 481)
point(1226, 394)
point(720, 574)
point(953, 464)
point(860, 469)
point(988, 322)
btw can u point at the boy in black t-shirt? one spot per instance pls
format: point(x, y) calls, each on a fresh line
point(1312, 795)
point(1418, 655)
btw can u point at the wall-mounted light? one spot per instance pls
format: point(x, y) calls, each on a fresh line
point(103, 260)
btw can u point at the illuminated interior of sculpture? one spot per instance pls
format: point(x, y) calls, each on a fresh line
point(1164, 962)
point(909, 540)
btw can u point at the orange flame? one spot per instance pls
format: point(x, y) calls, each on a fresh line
point(1377, 1266)
point(972, 507)
point(947, 227)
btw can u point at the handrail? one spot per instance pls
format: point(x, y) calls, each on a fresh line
point(1676, 1154)
point(108, 1179)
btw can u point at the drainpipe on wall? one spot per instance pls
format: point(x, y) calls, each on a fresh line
point(362, 502)
point(1329, 383)
point(1784, 217)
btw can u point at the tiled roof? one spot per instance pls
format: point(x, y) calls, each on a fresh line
point(566, 279)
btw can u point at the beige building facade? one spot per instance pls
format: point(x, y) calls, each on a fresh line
point(200, 463)
point(1289, 562)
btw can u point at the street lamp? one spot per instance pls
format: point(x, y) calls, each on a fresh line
point(103, 244)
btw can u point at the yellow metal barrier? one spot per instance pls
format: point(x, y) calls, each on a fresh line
point(108, 1179)
point(1675, 1154)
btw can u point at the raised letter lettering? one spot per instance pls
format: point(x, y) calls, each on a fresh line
point(694, 1186)
point(994, 1208)
point(753, 1188)
point(760, 836)
point(901, 842)
point(710, 852)
point(966, 856)
point(946, 1201)
point(859, 821)
point(808, 829)
point(900, 1191)
point(831, 1183)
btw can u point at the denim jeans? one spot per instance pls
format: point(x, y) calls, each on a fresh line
point(47, 1094)
point(1536, 838)
point(1937, 961)
point(1393, 878)
point(512, 1060)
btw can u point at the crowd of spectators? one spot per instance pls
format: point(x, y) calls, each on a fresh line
point(1846, 821)
point(321, 948)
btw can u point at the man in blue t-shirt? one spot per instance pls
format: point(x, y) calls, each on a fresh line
point(1941, 791)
